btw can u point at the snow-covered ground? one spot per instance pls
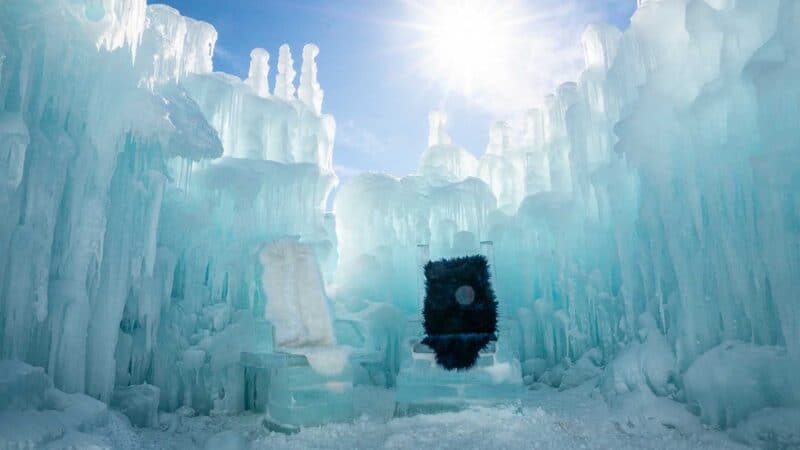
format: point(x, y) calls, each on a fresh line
point(35, 415)
point(544, 418)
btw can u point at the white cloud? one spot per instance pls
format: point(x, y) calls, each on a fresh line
point(228, 58)
point(352, 138)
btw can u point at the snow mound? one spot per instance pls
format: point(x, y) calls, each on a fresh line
point(647, 366)
point(735, 379)
point(39, 416)
point(770, 428)
point(139, 403)
point(22, 386)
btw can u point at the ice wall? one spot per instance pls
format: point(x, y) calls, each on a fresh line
point(380, 221)
point(137, 187)
point(502, 168)
point(175, 46)
point(272, 181)
point(251, 126)
point(444, 161)
point(83, 203)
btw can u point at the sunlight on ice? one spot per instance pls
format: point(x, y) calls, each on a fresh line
point(170, 273)
point(466, 43)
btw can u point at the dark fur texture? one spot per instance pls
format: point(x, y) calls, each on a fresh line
point(455, 332)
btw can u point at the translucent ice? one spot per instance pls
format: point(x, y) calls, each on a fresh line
point(643, 220)
point(257, 77)
point(309, 92)
point(284, 82)
point(659, 185)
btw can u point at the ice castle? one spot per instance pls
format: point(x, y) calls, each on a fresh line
point(166, 250)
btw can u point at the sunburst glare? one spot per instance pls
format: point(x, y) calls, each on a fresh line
point(465, 44)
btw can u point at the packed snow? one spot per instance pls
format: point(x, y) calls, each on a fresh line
point(540, 418)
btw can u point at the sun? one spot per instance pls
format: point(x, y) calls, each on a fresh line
point(466, 43)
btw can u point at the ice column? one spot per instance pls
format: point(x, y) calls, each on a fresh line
point(600, 43)
point(310, 91)
point(119, 23)
point(14, 140)
point(259, 71)
point(537, 164)
point(499, 139)
point(437, 121)
point(423, 258)
point(557, 136)
point(284, 83)
point(174, 46)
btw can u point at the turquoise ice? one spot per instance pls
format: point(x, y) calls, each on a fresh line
point(166, 246)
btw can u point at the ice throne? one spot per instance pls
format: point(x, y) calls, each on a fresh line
point(308, 379)
point(423, 385)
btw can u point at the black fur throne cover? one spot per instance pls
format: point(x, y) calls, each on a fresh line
point(460, 312)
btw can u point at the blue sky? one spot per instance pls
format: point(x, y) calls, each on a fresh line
point(371, 73)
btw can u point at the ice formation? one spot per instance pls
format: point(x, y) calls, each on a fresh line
point(165, 234)
point(309, 92)
point(284, 83)
point(257, 76)
point(662, 182)
point(102, 284)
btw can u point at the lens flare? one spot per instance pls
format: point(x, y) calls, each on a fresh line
point(467, 43)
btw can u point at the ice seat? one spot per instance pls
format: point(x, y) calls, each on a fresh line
point(308, 379)
point(292, 394)
point(423, 386)
point(297, 395)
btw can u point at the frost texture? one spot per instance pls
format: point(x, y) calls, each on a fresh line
point(310, 93)
point(284, 83)
point(257, 77)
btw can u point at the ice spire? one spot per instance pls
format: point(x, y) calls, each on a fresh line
point(259, 71)
point(284, 83)
point(499, 139)
point(437, 122)
point(310, 91)
point(533, 135)
point(600, 44)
